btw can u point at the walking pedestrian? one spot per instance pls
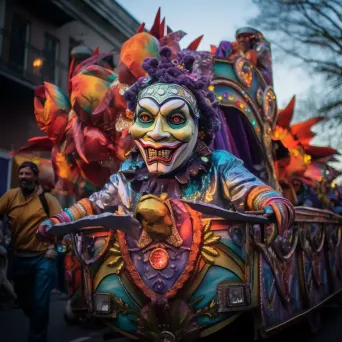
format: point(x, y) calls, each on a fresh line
point(34, 265)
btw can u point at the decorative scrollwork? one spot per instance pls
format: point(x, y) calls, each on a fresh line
point(333, 235)
point(269, 104)
point(285, 245)
point(120, 307)
point(244, 71)
point(210, 311)
point(259, 97)
point(316, 237)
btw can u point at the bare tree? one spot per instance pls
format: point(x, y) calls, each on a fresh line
point(311, 31)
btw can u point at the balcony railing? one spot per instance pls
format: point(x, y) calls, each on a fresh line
point(23, 60)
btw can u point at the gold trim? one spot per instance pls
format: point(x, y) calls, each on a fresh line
point(103, 272)
point(228, 263)
point(248, 99)
point(136, 295)
point(226, 61)
point(233, 255)
point(196, 280)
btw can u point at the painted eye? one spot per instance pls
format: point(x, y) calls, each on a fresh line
point(144, 117)
point(177, 119)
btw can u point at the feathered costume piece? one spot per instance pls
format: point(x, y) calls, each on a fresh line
point(303, 160)
point(87, 129)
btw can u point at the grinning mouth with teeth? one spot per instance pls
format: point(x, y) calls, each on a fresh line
point(163, 154)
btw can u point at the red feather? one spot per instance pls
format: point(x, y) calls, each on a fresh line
point(162, 29)
point(156, 25)
point(213, 49)
point(285, 115)
point(141, 28)
point(96, 52)
point(71, 70)
point(35, 144)
point(194, 45)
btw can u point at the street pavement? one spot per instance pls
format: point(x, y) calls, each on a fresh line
point(14, 327)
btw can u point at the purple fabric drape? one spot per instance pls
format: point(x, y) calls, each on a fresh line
point(224, 50)
point(223, 139)
point(233, 137)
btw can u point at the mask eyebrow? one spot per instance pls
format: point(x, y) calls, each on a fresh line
point(174, 105)
point(149, 105)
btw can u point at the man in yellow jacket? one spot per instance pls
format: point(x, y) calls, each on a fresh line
point(33, 265)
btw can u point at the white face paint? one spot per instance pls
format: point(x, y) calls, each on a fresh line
point(165, 134)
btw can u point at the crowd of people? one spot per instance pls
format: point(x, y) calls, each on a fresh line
point(321, 196)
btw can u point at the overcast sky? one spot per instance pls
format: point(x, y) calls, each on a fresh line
point(218, 20)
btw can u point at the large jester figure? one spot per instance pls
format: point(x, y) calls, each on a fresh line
point(175, 119)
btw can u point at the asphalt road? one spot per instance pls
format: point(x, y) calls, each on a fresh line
point(14, 326)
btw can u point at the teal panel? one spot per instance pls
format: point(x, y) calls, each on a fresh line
point(111, 284)
point(235, 248)
point(208, 289)
point(224, 70)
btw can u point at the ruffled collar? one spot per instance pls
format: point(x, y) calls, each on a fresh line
point(135, 171)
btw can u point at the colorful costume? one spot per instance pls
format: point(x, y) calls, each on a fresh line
point(175, 119)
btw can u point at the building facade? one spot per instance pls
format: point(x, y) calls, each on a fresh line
point(36, 40)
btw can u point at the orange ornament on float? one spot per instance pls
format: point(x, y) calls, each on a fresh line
point(159, 259)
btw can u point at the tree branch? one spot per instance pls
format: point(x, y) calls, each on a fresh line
point(318, 10)
point(310, 31)
point(323, 31)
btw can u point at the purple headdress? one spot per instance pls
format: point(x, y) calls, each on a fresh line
point(178, 72)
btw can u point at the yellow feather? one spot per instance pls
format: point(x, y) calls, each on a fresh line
point(211, 251)
point(208, 235)
point(115, 251)
point(207, 227)
point(213, 240)
point(207, 258)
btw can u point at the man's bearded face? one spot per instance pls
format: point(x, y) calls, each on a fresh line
point(244, 41)
point(27, 180)
point(165, 133)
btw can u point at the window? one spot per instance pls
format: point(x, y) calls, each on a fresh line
point(5, 172)
point(19, 41)
point(51, 59)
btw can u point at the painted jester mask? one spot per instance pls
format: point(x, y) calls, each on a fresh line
point(165, 128)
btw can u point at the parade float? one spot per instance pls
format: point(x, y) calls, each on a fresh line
point(183, 239)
